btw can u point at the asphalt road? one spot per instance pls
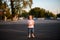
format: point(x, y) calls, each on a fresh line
point(44, 30)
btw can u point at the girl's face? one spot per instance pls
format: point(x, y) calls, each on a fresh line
point(30, 17)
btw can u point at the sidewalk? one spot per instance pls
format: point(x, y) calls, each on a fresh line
point(25, 21)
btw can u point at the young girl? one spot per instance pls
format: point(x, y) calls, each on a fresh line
point(30, 27)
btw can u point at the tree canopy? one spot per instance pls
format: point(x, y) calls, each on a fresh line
point(40, 12)
point(58, 15)
point(18, 5)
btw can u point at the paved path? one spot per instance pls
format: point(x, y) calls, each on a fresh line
point(44, 30)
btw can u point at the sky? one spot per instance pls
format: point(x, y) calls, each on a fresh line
point(51, 5)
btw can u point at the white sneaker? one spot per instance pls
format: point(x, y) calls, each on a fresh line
point(29, 36)
point(33, 36)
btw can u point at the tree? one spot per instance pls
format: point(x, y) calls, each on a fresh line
point(37, 12)
point(47, 14)
point(4, 7)
point(0, 4)
point(40, 12)
point(24, 14)
point(58, 15)
point(19, 4)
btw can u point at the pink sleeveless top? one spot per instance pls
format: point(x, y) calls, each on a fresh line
point(31, 23)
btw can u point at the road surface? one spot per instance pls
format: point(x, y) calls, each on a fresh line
point(44, 30)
